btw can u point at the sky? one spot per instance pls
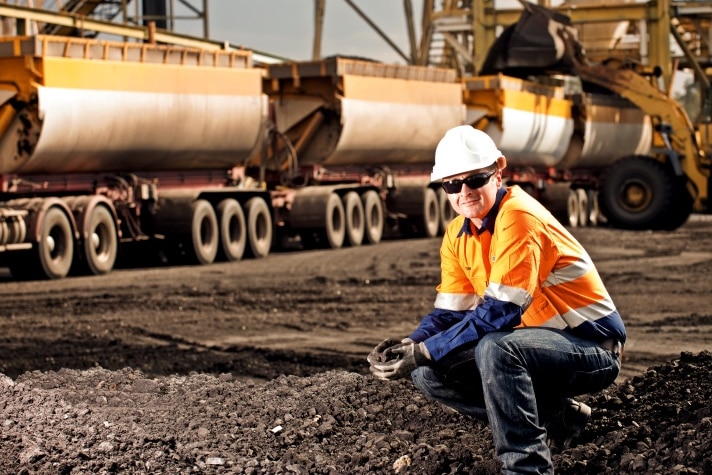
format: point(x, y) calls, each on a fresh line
point(286, 27)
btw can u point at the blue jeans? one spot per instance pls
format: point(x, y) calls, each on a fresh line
point(512, 380)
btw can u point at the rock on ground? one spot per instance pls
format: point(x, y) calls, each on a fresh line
point(101, 422)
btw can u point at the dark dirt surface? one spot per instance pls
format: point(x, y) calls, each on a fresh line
point(259, 366)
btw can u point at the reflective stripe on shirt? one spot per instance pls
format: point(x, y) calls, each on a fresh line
point(573, 271)
point(506, 293)
point(457, 302)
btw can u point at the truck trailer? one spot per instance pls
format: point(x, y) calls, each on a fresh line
point(359, 135)
point(203, 156)
point(103, 143)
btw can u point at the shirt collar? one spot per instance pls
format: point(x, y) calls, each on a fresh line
point(488, 221)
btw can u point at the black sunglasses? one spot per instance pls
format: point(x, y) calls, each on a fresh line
point(478, 180)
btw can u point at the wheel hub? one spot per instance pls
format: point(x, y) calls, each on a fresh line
point(636, 196)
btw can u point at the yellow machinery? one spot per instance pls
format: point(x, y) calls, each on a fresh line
point(579, 135)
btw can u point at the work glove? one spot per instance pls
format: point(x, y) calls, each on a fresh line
point(401, 360)
point(378, 354)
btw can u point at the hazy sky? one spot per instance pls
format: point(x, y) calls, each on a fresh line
point(286, 27)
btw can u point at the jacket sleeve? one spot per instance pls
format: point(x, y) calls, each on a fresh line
point(435, 322)
point(491, 315)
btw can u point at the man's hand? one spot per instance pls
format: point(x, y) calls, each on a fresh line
point(401, 360)
point(378, 354)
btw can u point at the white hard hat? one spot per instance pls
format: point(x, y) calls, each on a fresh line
point(463, 148)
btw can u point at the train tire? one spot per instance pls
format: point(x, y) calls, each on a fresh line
point(583, 207)
point(331, 232)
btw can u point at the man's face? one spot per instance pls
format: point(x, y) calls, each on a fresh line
point(475, 203)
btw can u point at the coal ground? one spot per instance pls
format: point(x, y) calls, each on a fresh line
point(258, 367)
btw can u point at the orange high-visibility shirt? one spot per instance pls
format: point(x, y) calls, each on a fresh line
point(529, 260)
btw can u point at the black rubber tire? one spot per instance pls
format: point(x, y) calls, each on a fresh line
point(259, 228)
point(573, 209)
point(638, 193)
point(594, 213)
point(55, 259)
point(557, 198)
point(373, 217)
point(51, 257)
point(425, 221)
point(335, 231)
point(681, 208)
point(101, 245)
point(447, 214)
point(430, 224)
point(583, 207)
point(232, 230)
point(204, 236)
point(354, 219)
point(332, 232)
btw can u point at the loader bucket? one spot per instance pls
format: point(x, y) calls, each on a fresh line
point(535, 43)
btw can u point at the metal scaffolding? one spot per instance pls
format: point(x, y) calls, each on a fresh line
point(164, 14)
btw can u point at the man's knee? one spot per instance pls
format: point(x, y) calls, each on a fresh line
point(495, 351)
point(488, 346)
point(426, 379)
